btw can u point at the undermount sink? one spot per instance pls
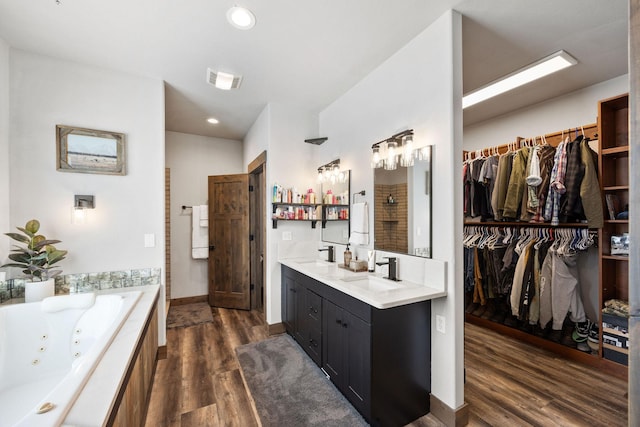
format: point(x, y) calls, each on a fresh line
point(315, 263)
point(374, 283)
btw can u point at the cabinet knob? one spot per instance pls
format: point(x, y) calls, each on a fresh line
point(344, 325)
point(339, 322)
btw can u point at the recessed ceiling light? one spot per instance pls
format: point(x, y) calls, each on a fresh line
point(548, 65)
point(241, 18)
point(213, 120)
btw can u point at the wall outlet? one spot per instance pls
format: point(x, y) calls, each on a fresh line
point(286, 235)
point(440, 324)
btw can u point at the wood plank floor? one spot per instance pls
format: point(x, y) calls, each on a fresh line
point(509, 383)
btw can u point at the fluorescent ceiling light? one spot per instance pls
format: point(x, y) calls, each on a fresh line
point(213, 120)
point(241, 18)
point(548, 65)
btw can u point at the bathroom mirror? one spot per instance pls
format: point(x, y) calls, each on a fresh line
point(90, 151)
point(335, 199)
point(402, 208)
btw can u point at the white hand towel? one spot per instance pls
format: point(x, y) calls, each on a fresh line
point(204, 215)
point(359, 224)
point(199, 236)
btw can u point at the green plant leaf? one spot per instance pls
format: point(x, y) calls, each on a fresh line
point(32, 226)
point(25, 231)
point(18, 237)
point(56, 256)
point(43, 243)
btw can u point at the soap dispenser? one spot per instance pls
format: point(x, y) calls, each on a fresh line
point(347, 257)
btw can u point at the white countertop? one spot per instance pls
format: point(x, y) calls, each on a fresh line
point(371, 288)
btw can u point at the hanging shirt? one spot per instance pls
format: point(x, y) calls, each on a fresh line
point(556, 186)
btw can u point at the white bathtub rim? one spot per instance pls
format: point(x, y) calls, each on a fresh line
point(81, 371)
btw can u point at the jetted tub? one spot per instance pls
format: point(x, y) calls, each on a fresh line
point(49, 349)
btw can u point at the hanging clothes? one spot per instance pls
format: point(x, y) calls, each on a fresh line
point(556, 185)
point(590, 188)
point(571, 207)
point(505, 163)
point(517, 184)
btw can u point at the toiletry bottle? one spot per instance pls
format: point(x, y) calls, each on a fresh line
point(347, 257)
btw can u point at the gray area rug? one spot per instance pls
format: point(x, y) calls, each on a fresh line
point(181, 316)
point(289, 389)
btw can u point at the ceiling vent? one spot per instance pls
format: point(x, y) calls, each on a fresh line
point(221, 80)
point(316, 141)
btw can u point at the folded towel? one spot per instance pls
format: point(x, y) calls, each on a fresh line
point(359, 224)
point(204, 215)
point(199, 236)
point(65, 302)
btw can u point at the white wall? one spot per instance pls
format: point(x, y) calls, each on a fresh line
point(4, 148)
point(192, 159)
point(289, 163)
point(45, 92)
point(568, 111)
point(419, 87)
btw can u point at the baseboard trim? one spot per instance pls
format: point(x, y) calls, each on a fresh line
point(448, 416)
point(190, 300)
point(275, 329)
point(162, 352)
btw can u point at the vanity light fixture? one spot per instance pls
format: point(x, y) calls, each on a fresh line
point(548, 65)
point(80, 204)
point(222, 80)
point(241, 18)
point(391, 151)
point(331, 172)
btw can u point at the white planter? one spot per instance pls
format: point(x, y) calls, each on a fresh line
point(37, 291)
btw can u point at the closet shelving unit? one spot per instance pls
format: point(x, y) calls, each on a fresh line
point(613, 123)
point(591, 131)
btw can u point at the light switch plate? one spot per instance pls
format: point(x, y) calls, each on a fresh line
point(440, 324)
point(150, 240)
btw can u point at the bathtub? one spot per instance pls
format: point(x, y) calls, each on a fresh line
point(48, 351)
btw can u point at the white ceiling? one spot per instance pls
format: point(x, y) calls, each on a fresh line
point(306, 53)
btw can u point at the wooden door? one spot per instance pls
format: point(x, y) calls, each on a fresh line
point(229, 284)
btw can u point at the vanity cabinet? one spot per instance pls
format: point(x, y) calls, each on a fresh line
point(380, 359)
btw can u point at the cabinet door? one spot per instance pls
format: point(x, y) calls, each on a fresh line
point(289, 303)
point(357, 379)
point(300, 331)
point(314, 326)
point(333, 342)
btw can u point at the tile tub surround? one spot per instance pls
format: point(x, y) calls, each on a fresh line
point(13, 290)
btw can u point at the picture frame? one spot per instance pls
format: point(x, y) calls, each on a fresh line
point(83, 150)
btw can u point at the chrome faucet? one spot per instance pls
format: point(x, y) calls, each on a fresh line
point(330, 257)
point(393, 268)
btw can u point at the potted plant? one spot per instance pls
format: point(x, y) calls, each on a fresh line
point(36, 256)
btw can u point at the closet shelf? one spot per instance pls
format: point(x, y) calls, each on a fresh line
point(616, 221)
point(616, 188)
point(616, 257)
point(623, 149)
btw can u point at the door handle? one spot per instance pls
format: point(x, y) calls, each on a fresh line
point(212, 247)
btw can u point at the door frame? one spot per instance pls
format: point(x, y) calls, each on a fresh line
point(257, 219)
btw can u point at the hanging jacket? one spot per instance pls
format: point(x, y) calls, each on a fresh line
point(517, 184)
point(571, 208)
point(499, 195)
point(546, 153)
point(590, 188)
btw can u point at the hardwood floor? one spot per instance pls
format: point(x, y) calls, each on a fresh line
point(509, 383)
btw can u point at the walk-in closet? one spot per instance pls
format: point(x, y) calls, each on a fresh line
point(546, 239)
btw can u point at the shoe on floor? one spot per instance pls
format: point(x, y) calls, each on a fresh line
point(581, 331)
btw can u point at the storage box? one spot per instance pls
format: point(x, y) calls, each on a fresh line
point(615, 337)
